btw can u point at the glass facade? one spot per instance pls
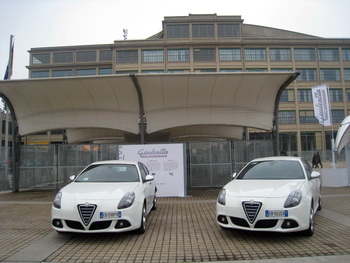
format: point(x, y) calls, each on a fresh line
point(230, 54)
point(204, 54)
point(304, 54)
point(203, 31)
point(85, 56)
point(280, 54)
point(43, 58)
point(178, 55)
point(62, 73)
point(178, 31)
point(229, 30)
point(127, 56)
point(255, 54)
point(63, 57)
point(152, 56)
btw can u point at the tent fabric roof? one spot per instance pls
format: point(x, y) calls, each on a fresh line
point(343, 135)
point(170, 100)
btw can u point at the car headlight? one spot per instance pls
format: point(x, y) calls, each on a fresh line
point(293, 199)
point(127, 200)
point(222, 197)
point(57, 200)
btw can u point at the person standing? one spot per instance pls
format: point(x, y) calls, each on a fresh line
point(314, 161)
point(318, 160)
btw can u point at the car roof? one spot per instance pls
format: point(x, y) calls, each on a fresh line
point(278, 158)
point(114, 162)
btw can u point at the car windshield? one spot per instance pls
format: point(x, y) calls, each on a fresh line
point(109, 173)
point(272, 170)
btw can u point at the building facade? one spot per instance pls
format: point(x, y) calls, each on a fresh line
point(212, 43)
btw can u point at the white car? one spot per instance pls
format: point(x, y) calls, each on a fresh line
point(279, 194)
point(107, 196)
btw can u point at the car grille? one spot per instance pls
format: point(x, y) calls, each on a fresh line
point(251, 210)
point(86, 212)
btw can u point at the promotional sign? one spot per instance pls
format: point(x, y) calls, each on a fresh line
point(321, 105)
point(165, 161)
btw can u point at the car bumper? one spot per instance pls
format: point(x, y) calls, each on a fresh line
point(104, 219)
point(294, 219)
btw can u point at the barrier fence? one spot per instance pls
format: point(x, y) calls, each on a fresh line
point(208, 164)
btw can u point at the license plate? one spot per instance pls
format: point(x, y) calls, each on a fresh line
point(117, 214)
point(276, 213)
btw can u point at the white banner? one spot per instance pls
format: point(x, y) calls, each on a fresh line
point(321, 105)
point(166, 161)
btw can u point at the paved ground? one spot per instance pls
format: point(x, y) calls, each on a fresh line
point(180, 230)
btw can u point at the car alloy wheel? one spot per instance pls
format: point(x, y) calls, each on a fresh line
point(310, 231)
point(142, 228)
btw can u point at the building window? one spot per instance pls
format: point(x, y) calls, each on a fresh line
point(85, 72)
point(230, 70)
point(330, 74)
point(304, 54)
point(229, 30)
point(85, 56)
point(178, 70)
point(63, 57)
point(347, 74)
point(41, 58)
point(336, 95)
point(288, 141)
point(310, 141)
point(256, 70)
point(307, 116)
point(203, 31)
point(337, 116)
point(40, 74)
point(156, 71)
point(328, 54)
point(105, 71)
point(287, 95)
point(127, 56)
point(105, 55)
point(62, 73)
point(281, 70)
point(286, 117)
point(204, 54)
point(205, 70)
point(307, 74)
point(128, 72)
point(347, 91)
point(178, 55)
point(178, 31)
point(152, 56)
point(230, 54)
point(280, 54)
point(255, 54)
point(346, 54)
point(304, 95)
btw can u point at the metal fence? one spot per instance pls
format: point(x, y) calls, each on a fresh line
point(208, 164)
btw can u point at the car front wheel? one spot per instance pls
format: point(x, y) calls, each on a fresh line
point(310, 231)
point(142, 228)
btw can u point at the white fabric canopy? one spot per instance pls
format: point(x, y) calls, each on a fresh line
point(343, 135)
point(169, 100)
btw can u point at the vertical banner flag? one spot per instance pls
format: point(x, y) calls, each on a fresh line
point(321, 105)
point(8, 72)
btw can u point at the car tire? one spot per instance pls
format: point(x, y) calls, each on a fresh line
point(142, 228)
point(154, 205)
point(310, 231)
point(319, 208)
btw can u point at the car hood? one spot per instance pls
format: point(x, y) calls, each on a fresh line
point(262, 188)
point(97, 191)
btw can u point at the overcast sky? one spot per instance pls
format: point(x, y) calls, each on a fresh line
point(48, 23)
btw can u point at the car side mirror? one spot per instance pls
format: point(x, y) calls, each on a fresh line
point(149, 178)
point(233, 176)
point(72, 177)
point(315, 174)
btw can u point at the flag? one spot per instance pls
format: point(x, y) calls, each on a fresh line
point(320, 99)
point(8, 72)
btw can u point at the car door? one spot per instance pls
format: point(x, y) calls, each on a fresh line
point(313, 183)
point(147, 186)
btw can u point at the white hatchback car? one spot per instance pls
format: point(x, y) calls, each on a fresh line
point(279, 194)
point(107, 196)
